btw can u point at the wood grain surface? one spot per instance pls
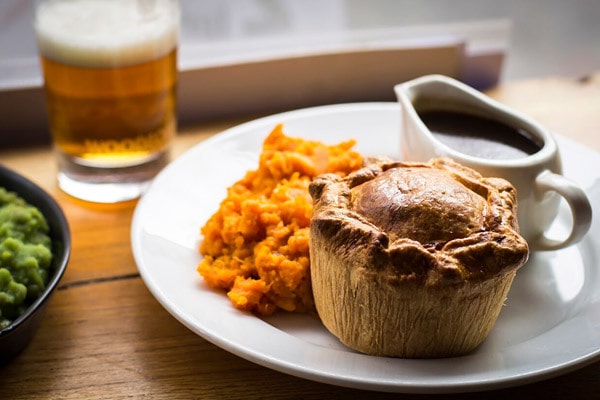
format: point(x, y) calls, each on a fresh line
point(105, 336)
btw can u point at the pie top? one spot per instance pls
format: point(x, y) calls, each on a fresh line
point(436, 223)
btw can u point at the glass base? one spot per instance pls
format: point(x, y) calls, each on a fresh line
point(107, 184)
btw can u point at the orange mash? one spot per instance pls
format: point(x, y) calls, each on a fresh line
point(256, 245)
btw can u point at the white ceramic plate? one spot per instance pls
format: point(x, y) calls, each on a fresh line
point(550, 324)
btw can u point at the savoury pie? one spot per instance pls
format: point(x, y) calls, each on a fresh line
point(413, 259)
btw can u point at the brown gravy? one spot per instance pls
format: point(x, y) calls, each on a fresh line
point(479, 136)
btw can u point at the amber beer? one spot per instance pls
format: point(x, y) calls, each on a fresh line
point(110, 75)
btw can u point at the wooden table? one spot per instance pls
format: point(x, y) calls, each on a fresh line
point(105, 336)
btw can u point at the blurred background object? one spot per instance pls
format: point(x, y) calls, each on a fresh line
point(258, 56)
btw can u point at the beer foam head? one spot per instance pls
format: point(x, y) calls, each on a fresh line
point(106, 33)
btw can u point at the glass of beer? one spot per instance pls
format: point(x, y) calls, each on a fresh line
point(110, 73)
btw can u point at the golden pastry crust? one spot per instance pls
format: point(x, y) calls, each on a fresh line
point(401, 250)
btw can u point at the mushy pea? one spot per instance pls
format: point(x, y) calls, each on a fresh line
point(25, 255)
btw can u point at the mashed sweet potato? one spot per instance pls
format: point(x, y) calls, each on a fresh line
point(256, 245)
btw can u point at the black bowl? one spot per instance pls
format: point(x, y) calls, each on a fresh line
point(19, 333)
